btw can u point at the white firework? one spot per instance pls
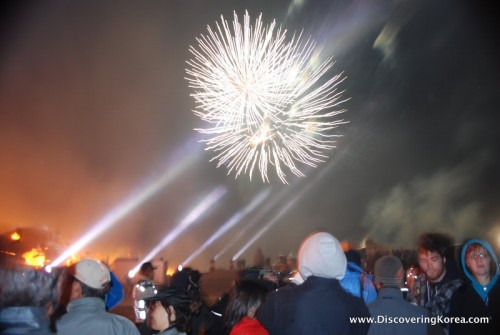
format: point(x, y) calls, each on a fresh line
point(265, 99)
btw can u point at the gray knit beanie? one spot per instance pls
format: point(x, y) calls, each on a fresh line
point(388, 271)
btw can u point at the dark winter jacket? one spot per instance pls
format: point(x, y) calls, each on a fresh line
point(318, 306)
point(474, 300)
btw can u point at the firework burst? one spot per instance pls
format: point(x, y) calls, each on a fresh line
point(264, 97)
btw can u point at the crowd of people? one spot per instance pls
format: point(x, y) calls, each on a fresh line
point(331, 293)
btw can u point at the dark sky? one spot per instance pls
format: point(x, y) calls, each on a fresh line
point(94, 107)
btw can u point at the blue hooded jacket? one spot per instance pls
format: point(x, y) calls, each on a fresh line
point(481, 290)
point(351, 282)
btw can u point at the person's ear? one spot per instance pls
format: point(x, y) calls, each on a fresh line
point(444, 259)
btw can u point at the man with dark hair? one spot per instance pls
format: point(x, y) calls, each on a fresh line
point(433, 254)
point(87, 313)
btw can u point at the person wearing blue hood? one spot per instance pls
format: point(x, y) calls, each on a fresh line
point(355, 280)
point(480, 296)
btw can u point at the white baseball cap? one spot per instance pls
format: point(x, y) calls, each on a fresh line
point(92, 273)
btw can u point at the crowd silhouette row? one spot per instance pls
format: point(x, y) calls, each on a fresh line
point(329, 293)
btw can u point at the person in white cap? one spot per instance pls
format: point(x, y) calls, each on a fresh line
point(320, 305)
point(86, 311)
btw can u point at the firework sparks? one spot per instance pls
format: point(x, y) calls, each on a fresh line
point(265, 99)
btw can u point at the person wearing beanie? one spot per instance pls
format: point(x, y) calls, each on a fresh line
point(390, 310)
point(319, 305)
point(86, 312)
point(480, 296)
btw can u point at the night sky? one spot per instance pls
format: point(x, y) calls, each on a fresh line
point(95, 107)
